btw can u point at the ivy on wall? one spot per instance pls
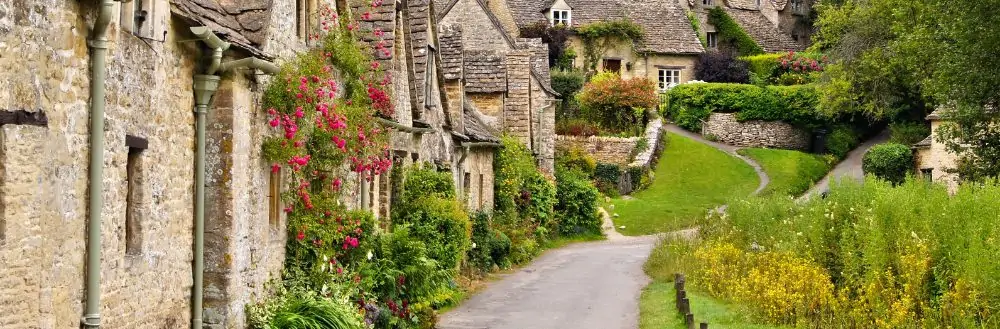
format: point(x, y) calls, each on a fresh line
point(731, 34)
point(696, 25)
point(600, 36)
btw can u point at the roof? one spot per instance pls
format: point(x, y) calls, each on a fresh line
point(763, 31)
point(475, 128)
point(242, 23)
point(450, 40)
point(936, 115)
point(667, 29)
point(485, 71)
point(926, 142)
point(743, 4)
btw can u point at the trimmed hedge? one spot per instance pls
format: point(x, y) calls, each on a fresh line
point(692, 103)
point(576, 209)
point(730, 33)
point(889, 161)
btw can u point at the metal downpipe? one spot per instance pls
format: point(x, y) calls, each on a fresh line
point(99, 49)
point(204, 89)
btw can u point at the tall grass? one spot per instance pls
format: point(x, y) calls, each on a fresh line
point(909, 256)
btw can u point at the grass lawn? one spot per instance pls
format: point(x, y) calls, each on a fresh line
point(658, 311)
point(690, 179)
point(791, 172)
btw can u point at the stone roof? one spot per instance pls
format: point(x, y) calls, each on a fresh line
point(745, 4)
point(926, 142)
point(762, 31)
point(667, 29)
point(475, 127)
point(450, 40)
point(779, 4)
point(936, 115)
point(485, 71)
point(242, 23)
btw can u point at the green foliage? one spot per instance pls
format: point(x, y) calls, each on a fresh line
point(696, 25)
point(600, 36)
point(889, 161)
point(731, 34)
point(841, 140)
point(490, 246)
point(618, 105)
point(576, 159)
point(303, 309)
point(786, 69)
point(763, 66)
point(692, 103)
point(791, 172)
point(606, 175)
point(576, 208)
point(929, 253)
point(908, 133)
point(578, 127)
point(557, 38)
point(567, 83)
point(523, 200)
point(434, 215)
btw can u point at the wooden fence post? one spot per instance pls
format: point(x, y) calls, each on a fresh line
point(689, 320)
point(704, 325)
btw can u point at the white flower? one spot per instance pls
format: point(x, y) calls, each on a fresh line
point(473, 245)
point(369, 254)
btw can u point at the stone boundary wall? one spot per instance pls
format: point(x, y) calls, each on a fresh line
point(772, 134)
point(617, 150)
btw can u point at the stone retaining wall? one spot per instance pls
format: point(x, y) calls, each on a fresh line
point(772, 134)
point(617, 150)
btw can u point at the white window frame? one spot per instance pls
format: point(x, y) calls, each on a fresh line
point(562, 16)
point(707, 2)
point(712, 39)
point(667, 77)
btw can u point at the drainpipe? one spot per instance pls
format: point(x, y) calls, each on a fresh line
point(99, 50)
point(205, 86)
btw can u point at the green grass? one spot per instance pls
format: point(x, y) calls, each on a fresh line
point(791, 172)
point(657, 310)
point(690, 179)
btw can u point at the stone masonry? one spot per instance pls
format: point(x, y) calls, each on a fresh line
point(616, 150)
point(771, 134)
point(517, 113)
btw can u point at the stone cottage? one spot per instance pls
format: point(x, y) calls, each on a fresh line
point(99, 216)
point(934, 161)
point(776, 25)
point(668, 50)
point(503, 78)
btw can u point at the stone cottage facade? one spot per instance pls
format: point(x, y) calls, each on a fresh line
point(666, 54)
point(933, 159)
point(147, 177)
point(776, 25)
point(505, 78)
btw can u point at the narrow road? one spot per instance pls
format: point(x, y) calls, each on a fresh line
point(850, 167)
point(592, 285)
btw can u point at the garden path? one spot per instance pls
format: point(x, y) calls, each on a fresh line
point(850, 167)
point(764, 179)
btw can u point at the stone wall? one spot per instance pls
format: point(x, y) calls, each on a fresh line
point(517, 106)
point(771, 134)
point(479, 33)
point(617, 150)
point(476, 182)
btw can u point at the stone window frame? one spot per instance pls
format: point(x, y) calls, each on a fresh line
point(661, 78)
point(707, 2)
point(561, 16)
point(304, 10)
point(430, 78)
point(134, 179)
point(712, 39)
point(140, 18)
point(274, 197)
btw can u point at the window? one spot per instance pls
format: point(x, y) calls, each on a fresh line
point(707, 2)
point(798, 7)
point(430, 77)
point(303, 18)
point(467, 187)
point(758, 3)
point(927, 173)
point(668, 78)
point(712, 39)
point(482, 197)
point(274, 196)
point(612, 65)
point(136, 17)
point(561, 17)
point(133, 220)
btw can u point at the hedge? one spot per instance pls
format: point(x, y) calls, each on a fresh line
point(889, 161)
point(730, 33)
point(692, 103)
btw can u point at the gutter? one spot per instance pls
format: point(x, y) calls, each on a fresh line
point(403, 128)
point(98, 65)
point(205, 86)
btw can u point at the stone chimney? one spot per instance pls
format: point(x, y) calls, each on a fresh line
point(517, 106)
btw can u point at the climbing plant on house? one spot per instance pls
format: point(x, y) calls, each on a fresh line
point(599, 37)
point(732, 34)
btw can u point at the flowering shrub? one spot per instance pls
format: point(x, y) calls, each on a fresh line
point(577, 127)
point(523, 200)
point(791, 68)
point(618, 105)
point(433, 214)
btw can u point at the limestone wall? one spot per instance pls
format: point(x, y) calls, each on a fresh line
point(772, 134)
point(617, 150)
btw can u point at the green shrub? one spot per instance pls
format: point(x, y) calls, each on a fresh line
point(618, 105)
point(567, 83)
point(577, 127)
point(731, 34)
point(576, 159)
point(764, 65)
point(889, 161)
point(402, 270)
point(576, 208)
point(690, 104)
point(791, 68)
point(434, 215)
point(523, 200)
point(304, 309)
point(841, 140)
point(908, 133)
point(490, 246)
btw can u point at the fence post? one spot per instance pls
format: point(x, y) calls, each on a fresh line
point(704, 325)
point(681, 297)
point(689, 320)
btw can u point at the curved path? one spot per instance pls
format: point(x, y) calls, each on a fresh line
point(764, 179)
point(850, 167)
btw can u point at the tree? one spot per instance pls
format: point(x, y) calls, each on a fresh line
point(557, 37)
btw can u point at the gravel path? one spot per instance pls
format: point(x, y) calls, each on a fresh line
point(850, 167)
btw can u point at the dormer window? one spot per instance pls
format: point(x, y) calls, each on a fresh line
point(707, 2)
point(561, 17)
